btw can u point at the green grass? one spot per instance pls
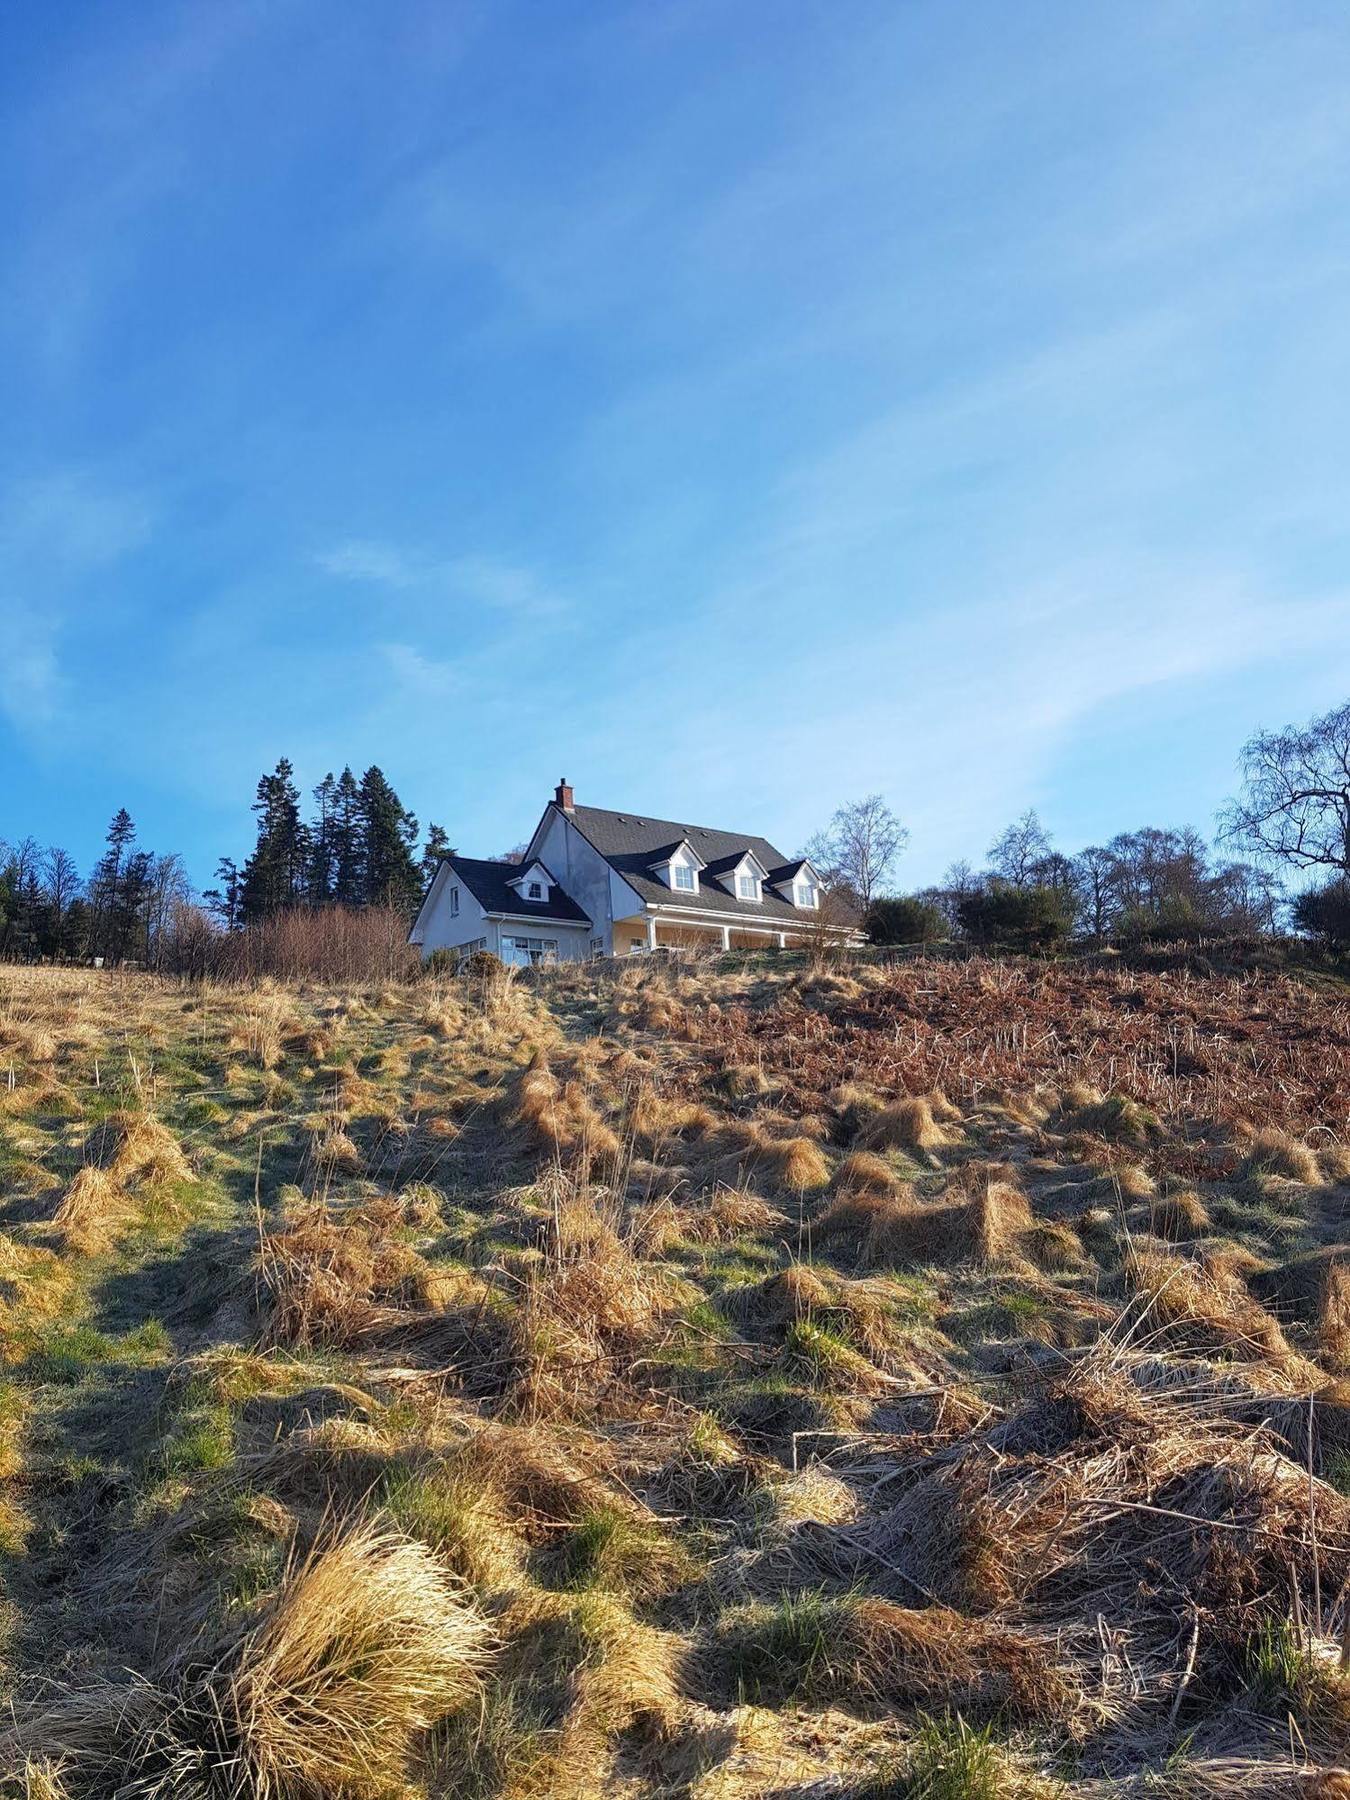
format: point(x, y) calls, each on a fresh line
point(947, 1760)
point(781, 1651)
point(68, 1354)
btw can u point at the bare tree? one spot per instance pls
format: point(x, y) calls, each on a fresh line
point(857, 849)
point(1295, 803)
point(1018, 852)
point(1095, 868)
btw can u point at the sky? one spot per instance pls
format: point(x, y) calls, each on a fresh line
point(734, 406)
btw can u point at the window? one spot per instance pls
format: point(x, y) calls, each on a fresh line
point(684, 877)
point(528, 952)
point(806, 893)
point(454, 903)
point(747, 887)
point(536, 890)
point(597, 946)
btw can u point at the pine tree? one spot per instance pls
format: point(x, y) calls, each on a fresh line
point(109, 926)
point(388, 838)
point(348, 857)
point(274, 876)
point(224, 901)
point(438, 845)
point(323, 844)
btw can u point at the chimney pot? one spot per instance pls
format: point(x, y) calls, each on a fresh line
point(562, 796)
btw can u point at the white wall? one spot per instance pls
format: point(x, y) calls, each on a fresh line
point(436, 929)
point(584, 875)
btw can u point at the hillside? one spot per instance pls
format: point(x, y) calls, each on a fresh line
point(766, 1381)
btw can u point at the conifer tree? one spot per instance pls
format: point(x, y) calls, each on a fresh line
point(348, 859)
point(107, 889)
point(388, 837)
point(438, 845)
point(323, 844)
point(274, 876)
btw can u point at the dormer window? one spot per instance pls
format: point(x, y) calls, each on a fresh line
point(747, 887)
point(534, 884)
point(805, 894)
point(685, 878)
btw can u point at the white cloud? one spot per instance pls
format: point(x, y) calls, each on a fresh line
point(421, 677)
point(70, 519)
point(31, 685)
point(488, 582)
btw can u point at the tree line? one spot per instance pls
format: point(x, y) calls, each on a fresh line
point(131, 907)
point(1292, 818)
point(358, 849)
point(358, 853)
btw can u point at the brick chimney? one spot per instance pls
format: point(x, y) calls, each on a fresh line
point(562, 797)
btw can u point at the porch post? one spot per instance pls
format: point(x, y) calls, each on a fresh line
point(782, 940)
point(651, 931)
point(726, 937)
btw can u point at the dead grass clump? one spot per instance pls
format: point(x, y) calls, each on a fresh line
point(1119, 1119)
point(793, 1165)
point(1273, 1152)
point(589, 1302)
point(1333, 1318)
point(366, 1645)
point(127, 1152)
point(950, 1537)
point(1203, 1307)
point(862, 1172)
point(870, 1650)
point(1180, 1217)
point(999, 1216)
point(1054, 1248)
point(905, 1125)
point(324, 1274)
point(897, 1230)
point(560, 1117)
point(733, 1213)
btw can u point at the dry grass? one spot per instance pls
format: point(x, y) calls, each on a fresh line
point(763, 1412)
point(906, 1125)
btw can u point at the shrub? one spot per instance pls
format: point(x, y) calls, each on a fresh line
point(1325, 913)
point(904, 919)
point(1016, 918)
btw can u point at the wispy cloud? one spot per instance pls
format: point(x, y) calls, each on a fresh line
point(491, 583)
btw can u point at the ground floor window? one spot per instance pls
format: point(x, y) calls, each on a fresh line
point(525, 952)
point(462, 952)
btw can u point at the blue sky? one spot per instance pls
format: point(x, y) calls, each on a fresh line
point(735, 407)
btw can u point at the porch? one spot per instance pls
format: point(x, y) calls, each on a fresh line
point(644, 933)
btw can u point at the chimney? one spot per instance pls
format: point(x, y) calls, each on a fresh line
point(562, 797)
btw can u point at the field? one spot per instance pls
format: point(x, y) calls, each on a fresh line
point(715, 1381)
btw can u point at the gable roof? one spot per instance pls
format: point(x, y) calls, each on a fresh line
point(633, 844)
point(490, 885)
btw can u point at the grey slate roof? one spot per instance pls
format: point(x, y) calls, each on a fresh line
point(487, 882)
point(632, 843)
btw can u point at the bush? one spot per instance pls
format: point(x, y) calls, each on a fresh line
point(1325, 913)
point(1016, 918)
point(904, 919)
point(1174, 920)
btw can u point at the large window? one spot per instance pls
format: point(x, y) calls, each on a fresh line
point(527, 952)
point(684, 877)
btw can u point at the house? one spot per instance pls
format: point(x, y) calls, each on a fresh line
point(599, 883)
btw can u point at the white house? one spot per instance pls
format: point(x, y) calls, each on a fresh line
point(598, 883)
